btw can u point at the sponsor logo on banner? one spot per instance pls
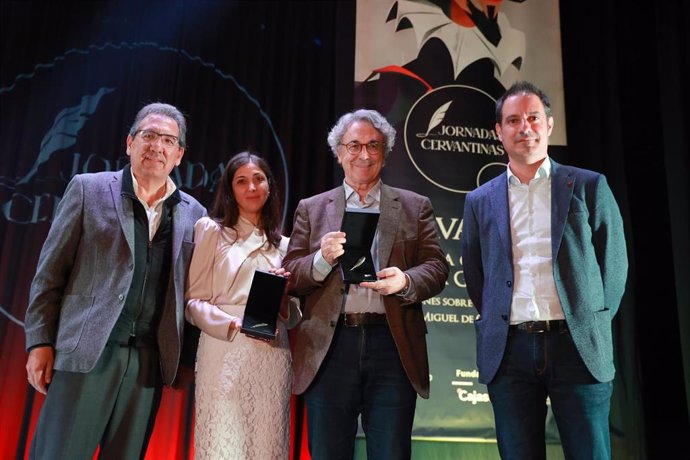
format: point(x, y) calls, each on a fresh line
point(464, 385)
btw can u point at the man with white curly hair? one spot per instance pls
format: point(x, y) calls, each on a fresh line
point(361, 348)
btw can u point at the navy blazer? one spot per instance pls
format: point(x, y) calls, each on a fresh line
point(85, 270)
point(589, 265)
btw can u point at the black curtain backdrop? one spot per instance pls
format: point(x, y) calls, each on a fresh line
point(627, 107)
point(274, 76)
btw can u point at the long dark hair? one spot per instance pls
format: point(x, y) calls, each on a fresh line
point(225, 209)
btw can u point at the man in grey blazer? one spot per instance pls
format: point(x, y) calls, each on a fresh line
point(362, 348)
point(544, 258)
point(105, 320)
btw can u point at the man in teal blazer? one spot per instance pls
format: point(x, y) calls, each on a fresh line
point(104, 325)
point(545, 262)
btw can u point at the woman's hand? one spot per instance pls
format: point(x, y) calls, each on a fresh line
point(284, 307)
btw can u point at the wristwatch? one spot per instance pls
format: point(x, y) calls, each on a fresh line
point(403, 292)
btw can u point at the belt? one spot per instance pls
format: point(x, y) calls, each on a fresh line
point(363, 319)
point(136, 342)
point(534, 327)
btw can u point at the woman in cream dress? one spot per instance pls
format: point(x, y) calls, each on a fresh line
point(242, 384)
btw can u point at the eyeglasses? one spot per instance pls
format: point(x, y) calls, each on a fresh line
point(152, 136)
point(354, 148)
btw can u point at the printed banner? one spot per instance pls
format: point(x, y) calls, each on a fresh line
point(435, 68)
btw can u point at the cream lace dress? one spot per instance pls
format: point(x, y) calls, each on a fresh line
point(242, 385)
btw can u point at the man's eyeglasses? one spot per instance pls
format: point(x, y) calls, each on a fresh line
point(152, 136)
point(354, 148)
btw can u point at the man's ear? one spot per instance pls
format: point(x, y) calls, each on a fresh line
point(179, 158)
point(549, 126)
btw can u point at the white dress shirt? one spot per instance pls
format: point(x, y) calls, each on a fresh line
point(154, 212)
point(357, 299)
point(534, 290)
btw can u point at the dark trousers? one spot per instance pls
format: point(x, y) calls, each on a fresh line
point(361, 374)
point(114, 405)
point(541, 365)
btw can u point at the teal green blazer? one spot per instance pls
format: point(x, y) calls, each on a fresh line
point(590, 265)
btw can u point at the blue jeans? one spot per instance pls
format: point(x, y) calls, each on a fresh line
point(361, 374)
point(547, 364)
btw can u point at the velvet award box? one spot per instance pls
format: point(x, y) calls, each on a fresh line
point(356, 264)
point(263, 303)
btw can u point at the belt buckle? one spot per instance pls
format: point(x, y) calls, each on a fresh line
point(349, 320)
point(534, 327)
point(363, 319)
point(545, 326)
point(346, 320)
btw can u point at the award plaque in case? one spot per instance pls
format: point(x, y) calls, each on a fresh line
point(356, 264)
point(263, 304)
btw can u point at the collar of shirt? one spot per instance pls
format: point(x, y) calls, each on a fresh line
point(153, 212)
point(543, 172)
point(371, 200)
point(245, 227)
point(170, 188)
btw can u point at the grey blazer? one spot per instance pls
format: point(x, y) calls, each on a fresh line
point(408, 239)
point(85, 270)
point(589, 265)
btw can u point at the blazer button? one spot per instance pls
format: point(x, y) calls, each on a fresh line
point(504, 317)
point(509, 283)
point(333, 323)
point(120, 297)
